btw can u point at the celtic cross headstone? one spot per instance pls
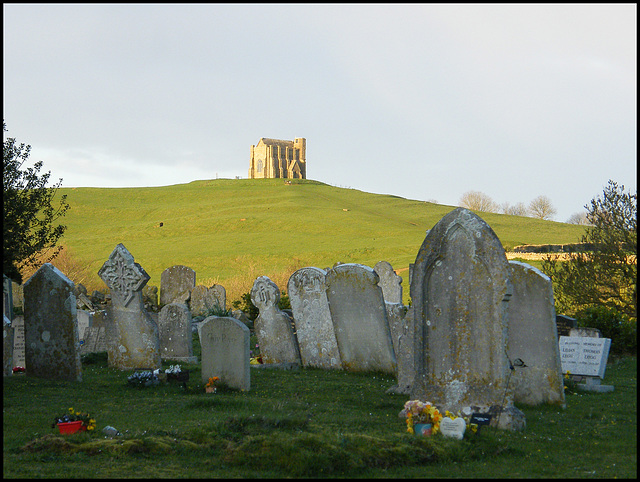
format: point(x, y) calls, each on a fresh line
point(136, 343)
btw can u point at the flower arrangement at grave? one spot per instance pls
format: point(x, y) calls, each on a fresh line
point(88, 423)
point(175, 372)
point(417, 412)
point(212, 385)
point(144, 378)
point(255, 360)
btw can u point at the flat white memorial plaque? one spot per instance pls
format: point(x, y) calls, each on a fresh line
point(585, 356)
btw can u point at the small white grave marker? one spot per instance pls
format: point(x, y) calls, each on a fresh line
point(585, 356)
point(453, 427)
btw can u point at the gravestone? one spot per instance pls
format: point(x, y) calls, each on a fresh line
point(564, 324)
point(533, 338)
point(359, 318)
point(176, 284)
point(95, 336)
point(277, 340)
point(312, 318)
point(7, 297)
point(585, 356)
point(176, 335)
point(18, 341)
point(17, 292)
point(459, 290)
point(7, 347)
point(204, 299)
point(402, 336)
point(52, 347)
point(84, 321)
point(390, 282)
point(585, 332)
point(225, 351)
point(133, 335)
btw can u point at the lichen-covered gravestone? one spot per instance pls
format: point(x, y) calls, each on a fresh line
point(533, 338)
point(133, 335)
point(460, 289)
point(390, 282)
point(205, 298)
point(360, 319)
point(176, 284)
point(52, 347)
point(176, 335)
point(278, 343)
point(225, 351)
point(311, 315)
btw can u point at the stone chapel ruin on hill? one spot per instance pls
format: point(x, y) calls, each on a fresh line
point(274, 158)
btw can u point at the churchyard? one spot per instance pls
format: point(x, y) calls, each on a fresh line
point(324, 397)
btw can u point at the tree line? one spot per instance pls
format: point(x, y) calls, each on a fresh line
point(541, 207)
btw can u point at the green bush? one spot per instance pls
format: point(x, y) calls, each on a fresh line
point(612, 324)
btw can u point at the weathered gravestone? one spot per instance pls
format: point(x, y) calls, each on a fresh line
point(359, 318)
point(401, 325)
point(585, 358)
point(176, 284)
point(585, 332)
point(225, 351)
point(95, 336)
point(52, 347)
point(18, 341)
point(205, 298)
point(134, 340)
point(176, 335)
point(7, 347)
point(533, 338)
point(390, 282)
point(277, 340)
point(84, 322)
point(459, 291)
point(311, 315)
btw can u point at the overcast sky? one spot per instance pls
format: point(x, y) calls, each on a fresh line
point(424, 101)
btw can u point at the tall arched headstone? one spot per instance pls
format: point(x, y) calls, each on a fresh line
point(135, 341)
point(533, 337)
point(460, 288)
point(311, 315)
point(52, 346)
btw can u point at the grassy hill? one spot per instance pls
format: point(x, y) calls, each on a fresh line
point(232, 231)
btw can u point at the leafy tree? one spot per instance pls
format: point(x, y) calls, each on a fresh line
point(478, 201)
point(607, 275)
point(29, 236)
point(542, 208)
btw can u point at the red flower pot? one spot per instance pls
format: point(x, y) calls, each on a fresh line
point(71, 427)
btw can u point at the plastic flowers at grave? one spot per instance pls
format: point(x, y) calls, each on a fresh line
point(72, 416)
point(417, 411)
point(210, 387)
point(173, 369)
point(144, 378)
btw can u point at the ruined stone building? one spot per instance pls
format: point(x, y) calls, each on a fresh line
point(273, 158)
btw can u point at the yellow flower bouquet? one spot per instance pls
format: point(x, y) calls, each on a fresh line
point(418, 412)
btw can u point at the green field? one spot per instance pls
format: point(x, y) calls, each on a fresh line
point(232, 231)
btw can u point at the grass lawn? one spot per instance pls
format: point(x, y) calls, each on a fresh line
point(301, 423)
